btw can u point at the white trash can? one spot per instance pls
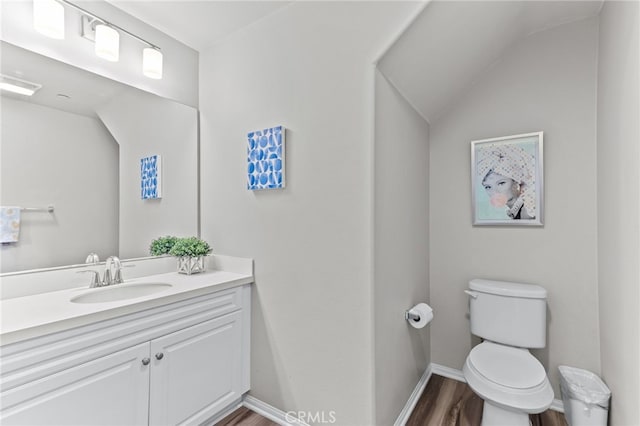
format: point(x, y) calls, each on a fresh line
point(585, 397)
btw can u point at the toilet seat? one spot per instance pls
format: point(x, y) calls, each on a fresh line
point(507, 366)
point(509, 377)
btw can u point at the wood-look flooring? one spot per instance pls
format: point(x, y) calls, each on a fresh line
point(245, 417)
point(444, 402)
point(448, 402)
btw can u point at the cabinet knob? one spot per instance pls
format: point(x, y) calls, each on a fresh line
point(159, 355)
point(145, 361)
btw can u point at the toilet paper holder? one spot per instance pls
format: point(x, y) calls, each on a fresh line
point(408, 315)
point(419, 316)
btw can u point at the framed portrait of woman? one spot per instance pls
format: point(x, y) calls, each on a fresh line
point(507, 180)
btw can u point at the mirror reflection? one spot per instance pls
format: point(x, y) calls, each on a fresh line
point(77, 144)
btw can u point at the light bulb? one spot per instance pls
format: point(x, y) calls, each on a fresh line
point(107, 43)
point(152, 63)
point(48, 18)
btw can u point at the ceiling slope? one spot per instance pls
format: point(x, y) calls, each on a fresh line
point(452, 42)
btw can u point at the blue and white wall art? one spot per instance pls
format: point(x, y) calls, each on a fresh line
point(151, 177)
point(265, 158)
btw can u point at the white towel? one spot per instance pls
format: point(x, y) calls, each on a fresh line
point(9, 224)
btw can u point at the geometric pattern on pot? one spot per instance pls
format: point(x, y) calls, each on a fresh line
point(151, 177)
point(265, 158)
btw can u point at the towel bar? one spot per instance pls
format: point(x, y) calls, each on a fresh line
point(48, 209)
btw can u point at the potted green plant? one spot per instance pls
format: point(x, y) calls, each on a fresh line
point(162, 245)
point(190, 252)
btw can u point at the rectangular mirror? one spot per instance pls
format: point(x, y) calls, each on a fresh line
point(77, 144)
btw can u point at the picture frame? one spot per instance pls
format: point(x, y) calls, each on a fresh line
point(151, 177)
point(266, 159)
point(507, 180)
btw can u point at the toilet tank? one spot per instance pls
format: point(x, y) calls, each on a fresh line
point(509, 313)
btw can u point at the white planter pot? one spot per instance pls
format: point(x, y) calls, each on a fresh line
point(190, 265)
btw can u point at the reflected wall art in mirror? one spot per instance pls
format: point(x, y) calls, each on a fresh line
point(77, 144)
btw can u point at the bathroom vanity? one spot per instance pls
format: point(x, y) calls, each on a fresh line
point(177, 352)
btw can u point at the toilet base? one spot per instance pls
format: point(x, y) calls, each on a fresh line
point(492, 415)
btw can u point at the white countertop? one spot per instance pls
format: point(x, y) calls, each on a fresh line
point(36, 315)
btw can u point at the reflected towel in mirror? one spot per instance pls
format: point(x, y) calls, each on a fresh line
point(9, 224)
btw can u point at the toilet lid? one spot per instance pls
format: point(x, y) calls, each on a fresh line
point(507, 366)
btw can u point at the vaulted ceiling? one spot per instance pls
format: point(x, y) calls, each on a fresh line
point(452, 42)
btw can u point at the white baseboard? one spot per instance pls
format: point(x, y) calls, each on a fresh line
point(450, 373)
point(270, 412)
point(557, 405)
point(224, 413)
point(413, 399)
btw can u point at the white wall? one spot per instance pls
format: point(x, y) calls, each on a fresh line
point(307, 67)
point(401, 242)
point(545, 83)
point(618, 206)
point(145, 125)
point(180, 74)
point(68, 160)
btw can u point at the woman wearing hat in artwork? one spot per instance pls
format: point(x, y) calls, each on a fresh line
point(508, 175)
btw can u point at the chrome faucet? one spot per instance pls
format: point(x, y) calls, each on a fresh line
point(112, 271)
point(92, 259)
point(95, 279)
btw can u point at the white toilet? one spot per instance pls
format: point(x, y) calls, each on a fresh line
point(511, 318)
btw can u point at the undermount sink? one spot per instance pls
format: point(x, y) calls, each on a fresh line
point(118, 292)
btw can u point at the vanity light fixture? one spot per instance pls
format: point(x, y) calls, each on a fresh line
point(48, 18)
point(152, 63)
point(107, 43)
point(17, 85)
point(106, 36)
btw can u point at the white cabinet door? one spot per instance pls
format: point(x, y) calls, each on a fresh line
point(196, 371)
point(111, 390)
